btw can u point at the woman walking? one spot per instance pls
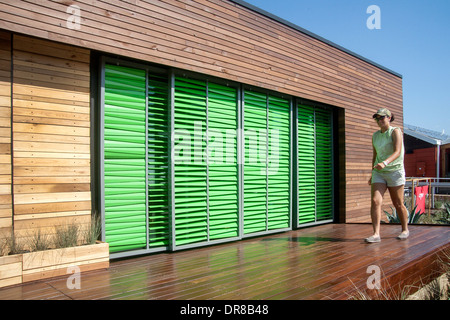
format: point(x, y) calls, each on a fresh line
point(388, 173)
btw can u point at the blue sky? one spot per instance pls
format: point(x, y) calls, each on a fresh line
point(414, 41)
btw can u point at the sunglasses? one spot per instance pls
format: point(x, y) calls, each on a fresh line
point(379, 118)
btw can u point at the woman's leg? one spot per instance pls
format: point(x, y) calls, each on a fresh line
point(378, 190)
point(397, 200)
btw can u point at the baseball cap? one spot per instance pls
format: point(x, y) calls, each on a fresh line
point(382, 112)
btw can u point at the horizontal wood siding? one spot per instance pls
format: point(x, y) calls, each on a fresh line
point(222, 38)
point(427, 156)
point(51, 130)
point(5, 133)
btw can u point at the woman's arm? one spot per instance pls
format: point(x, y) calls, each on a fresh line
point(374, 156)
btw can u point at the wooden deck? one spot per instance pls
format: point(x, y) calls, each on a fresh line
point(323, 262)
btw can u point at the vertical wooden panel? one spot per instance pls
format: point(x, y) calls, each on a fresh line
point(51, 140)
point(5, 132)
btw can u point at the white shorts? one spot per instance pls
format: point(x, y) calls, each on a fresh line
point(391, 179)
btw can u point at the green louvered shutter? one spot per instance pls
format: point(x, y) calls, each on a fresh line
point(255, 167)
point(324, 165)
point(124, 158)
point(315, 165)
point(306, 165)
point(279, 210)
point(222, 164)
point(190, 211)
point(158, 160)
point(205, 170)
point(133, 133)
point(267, 163)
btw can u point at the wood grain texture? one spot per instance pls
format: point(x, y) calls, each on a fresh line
point(10, 270)
point(51, 142)
point(53, 263)
point(5, 133)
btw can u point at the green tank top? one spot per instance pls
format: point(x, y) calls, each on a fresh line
point(384, 147)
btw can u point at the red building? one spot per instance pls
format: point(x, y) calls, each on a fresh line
point(427, 153)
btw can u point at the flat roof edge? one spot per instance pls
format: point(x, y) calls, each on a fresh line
point(422, 137)
point(311, 34)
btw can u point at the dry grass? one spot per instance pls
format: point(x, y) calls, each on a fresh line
point(437, 289)
point(69, 235)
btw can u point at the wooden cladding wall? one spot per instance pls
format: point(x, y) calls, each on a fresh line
point(225, 39)
point(50, 135)
point(5, 132)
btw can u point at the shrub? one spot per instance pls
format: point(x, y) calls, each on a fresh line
point(413, 216)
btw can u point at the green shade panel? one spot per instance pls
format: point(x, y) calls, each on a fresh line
point(315, 165)
point(205, 169)
point(158, 160)
point(135, 131)
point(255, 166)
point(278, 165)
point(190, 171)
point(124, 158)
point(222, 162)
point(324, 165)
point(267, 163)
